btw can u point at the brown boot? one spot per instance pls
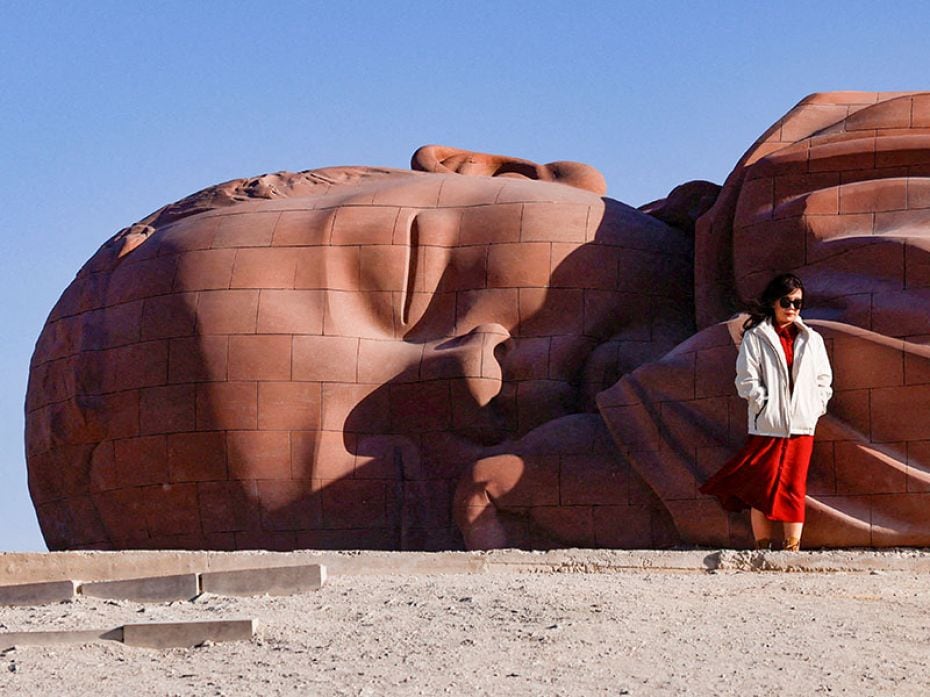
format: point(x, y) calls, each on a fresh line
point(764, 543)
point(792, 544)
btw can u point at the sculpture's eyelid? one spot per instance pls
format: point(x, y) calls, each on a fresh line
point(413, 261)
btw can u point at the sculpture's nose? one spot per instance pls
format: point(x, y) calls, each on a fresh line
point(474, 356)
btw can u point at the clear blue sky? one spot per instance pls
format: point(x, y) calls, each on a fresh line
point(109, 110)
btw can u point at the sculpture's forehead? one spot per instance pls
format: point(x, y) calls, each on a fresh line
point(381, 211)
point(420, 190)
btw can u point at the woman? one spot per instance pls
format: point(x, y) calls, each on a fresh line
point(783, 372)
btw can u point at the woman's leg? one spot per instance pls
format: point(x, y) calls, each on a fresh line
point(793, 536)
point(762, 528)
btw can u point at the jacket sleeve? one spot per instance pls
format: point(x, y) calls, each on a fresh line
point(824, 376)
point(749, 382)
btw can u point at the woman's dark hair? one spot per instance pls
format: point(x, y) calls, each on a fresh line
point(762, 307)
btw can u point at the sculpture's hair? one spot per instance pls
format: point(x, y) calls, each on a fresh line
point(763, 307)
point(266, 186)
point(311, 182)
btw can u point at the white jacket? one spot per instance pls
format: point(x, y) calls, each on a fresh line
point(762, 380)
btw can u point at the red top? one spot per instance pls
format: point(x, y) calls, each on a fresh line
point(787, 335)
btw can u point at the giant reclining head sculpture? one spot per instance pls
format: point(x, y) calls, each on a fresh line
point(486, 352)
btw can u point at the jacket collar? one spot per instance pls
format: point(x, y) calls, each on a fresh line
point(767, 328)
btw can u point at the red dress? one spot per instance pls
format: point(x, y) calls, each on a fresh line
point(768, 473)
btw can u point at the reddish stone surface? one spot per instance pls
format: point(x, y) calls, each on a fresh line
point(487, 351)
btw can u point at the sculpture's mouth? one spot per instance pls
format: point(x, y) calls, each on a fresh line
point(472, 364)
point(521, 384)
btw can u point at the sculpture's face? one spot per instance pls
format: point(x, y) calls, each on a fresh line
point(452, 292)
point(486, 289)
point(279, 364)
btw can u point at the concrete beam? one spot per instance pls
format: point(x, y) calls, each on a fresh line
point(81, 636)
point(281, 580)
point(37, 593)
point(153, 635)
point(167, 635)
point(153, 589)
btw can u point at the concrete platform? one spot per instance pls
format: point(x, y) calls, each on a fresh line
point(33, 567)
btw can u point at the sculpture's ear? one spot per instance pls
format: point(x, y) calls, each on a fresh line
point(446, 160)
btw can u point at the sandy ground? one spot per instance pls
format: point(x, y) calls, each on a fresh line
point(634, 632)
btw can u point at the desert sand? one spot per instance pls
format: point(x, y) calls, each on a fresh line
point(632, 632)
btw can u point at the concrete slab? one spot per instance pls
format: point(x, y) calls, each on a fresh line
point(81, 636)
point(367, 563)
point(152, 589)
point(597, 560)
point(167, 635)
point(32, 567)
point(281, 580)
point(26, 567)
point(37, 593)
point(827, 561)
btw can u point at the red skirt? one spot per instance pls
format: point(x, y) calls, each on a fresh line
point(768, 474)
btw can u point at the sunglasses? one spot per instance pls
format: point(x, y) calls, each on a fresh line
point(785, 303)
